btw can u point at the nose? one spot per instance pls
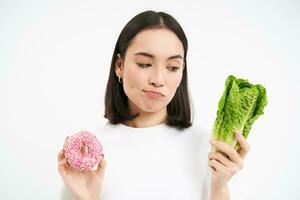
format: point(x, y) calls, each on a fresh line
point(157, 78)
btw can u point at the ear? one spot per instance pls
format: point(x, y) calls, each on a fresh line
point(119, 66)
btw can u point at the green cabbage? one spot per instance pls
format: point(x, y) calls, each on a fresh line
point(241, 104)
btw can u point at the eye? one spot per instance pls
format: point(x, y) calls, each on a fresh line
point(142, 65)
point(173, 68)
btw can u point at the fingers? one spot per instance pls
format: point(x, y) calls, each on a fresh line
point(66, 139)
point(60, 155)
point(227, 149)
point(245, 147)
point(62, 162)
point(221, 158)
point(62, 165)
point(101, 167)
point(216, 165)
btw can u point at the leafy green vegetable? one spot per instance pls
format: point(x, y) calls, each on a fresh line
point(240, 105)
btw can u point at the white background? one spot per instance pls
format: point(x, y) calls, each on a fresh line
point(54, 62)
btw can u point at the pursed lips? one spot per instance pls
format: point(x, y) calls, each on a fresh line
point(154, 92)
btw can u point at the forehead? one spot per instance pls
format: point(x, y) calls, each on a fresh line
point(158, 42)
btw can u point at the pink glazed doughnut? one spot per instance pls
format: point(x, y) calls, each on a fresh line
point(83, 150)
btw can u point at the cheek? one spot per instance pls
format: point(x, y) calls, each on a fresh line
point(135, 80)
point(174, 83)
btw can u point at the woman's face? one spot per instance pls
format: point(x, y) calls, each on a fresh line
point(153, 64)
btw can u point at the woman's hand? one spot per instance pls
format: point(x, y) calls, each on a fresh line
point(83, 185)
point(226, 161)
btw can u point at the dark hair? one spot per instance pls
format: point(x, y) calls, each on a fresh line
point(116, 101)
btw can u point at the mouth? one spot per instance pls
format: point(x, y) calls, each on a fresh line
point(153, 93)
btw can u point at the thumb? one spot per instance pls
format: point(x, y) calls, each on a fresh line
point(101, 167)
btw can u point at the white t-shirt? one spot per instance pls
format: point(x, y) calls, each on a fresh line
point(158, 162)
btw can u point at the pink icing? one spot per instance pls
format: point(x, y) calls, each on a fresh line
point(83, 150)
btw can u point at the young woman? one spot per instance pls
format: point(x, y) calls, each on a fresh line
point(152, 151)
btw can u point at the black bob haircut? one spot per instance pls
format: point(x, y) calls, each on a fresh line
point(116, 101)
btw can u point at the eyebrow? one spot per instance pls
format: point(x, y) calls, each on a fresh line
point(152, 56)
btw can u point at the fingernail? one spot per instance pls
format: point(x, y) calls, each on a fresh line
point(212, 142)
point(238, 134)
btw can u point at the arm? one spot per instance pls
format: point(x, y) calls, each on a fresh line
point(217, 194)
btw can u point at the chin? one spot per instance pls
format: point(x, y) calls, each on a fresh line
point(152, 108)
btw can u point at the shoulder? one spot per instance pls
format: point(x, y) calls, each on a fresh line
point(107, 131)
point(198, 132)
point(197, 138)
point(102, 128)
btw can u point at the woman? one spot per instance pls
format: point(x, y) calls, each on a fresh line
point(151, 147)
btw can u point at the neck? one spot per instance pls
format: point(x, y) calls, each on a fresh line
point(148, 119)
